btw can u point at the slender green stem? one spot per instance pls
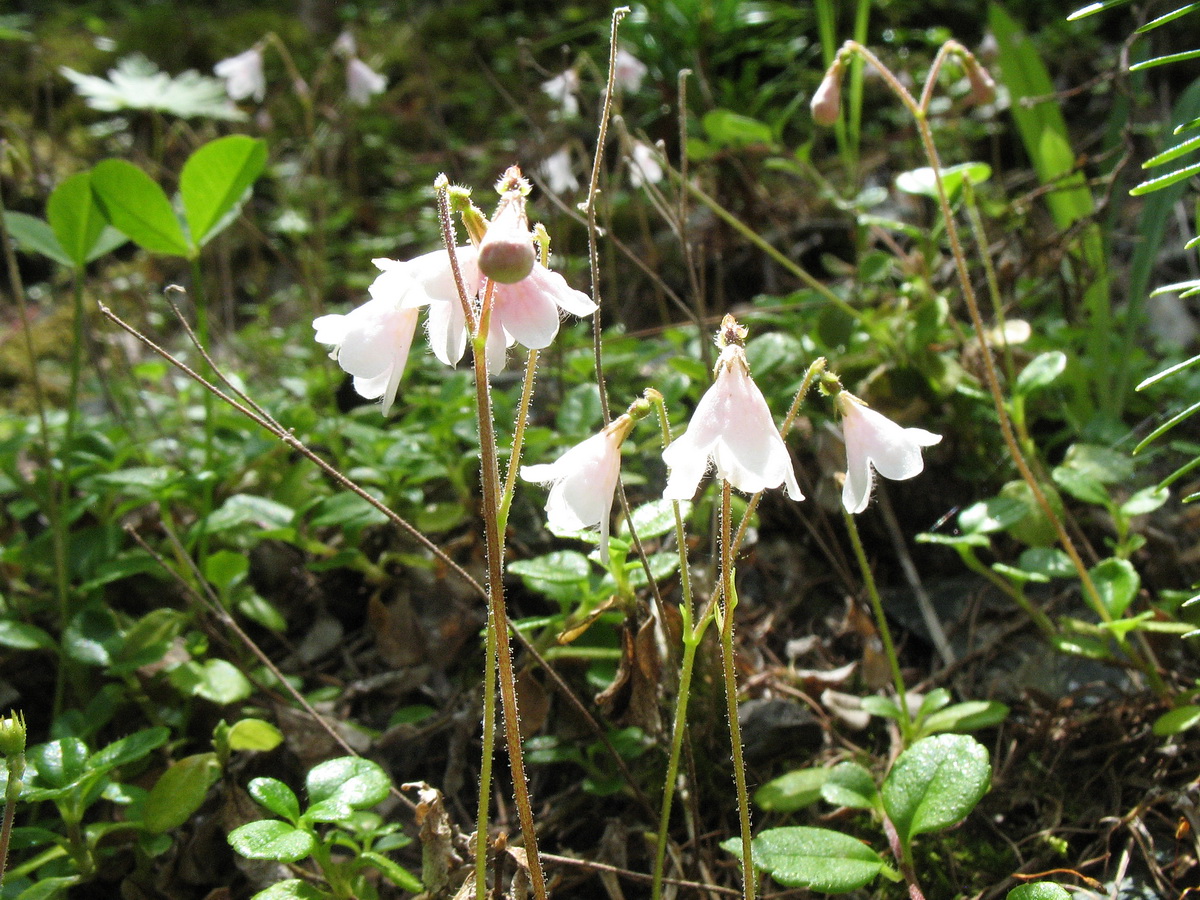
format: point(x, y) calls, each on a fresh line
point(728, 605)
point(518, 444)
point(885, 633)
point(200, 303)
point(498, 614)
point(486, 756)
point(16, 768)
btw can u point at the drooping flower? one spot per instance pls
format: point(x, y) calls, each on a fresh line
point(644, 167)
point(731, 430)
point(345, 45)
point(362, 82)
point(556, 169)
point(874, 443)
point(826, 103)
point(563, 89)
point(583, 482)
point(372, 342)
point(243, 75)
point(629, 71)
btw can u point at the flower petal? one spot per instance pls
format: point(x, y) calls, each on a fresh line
point(527, 312)
point(447, 327)
point(577, 303)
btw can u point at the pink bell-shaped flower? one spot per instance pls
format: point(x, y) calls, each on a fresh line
point(243, 75)
point(362, 82)
point(731, 430)
point(583, 482)
point(874, 443)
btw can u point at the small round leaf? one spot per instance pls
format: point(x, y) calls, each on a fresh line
point(935, 783)
point(271, 839)
point(359, 783)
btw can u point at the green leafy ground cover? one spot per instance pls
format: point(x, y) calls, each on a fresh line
point(240, 677)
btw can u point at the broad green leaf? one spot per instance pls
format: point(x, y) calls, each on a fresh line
point(216, 179)
point(357, 782)
point(1041, 372)
point(93, 636)
point(76, 219)
point(329, 810)
point(730, 129)
point(922, 183)
point(1038, 890)
point(345, 510)
point(272, 840)
point(1147, 500)
point(249, 509)
point(662, 565)
point(1117, 582)
point(1177, 720)
point(49, 888)
point(792, 791)
point(32, 235)
point(967, 716)
point(559, 567)
point(135, 205)
point(1048, 561)
point(580, 411)
point(254, 734)
point(394, 872)
point(935, 783)
point(275, 796)
point(1081, 485)
point(881, 706)
point(850, 785)
point(773, 350)
point(179, 792)
point(59, 763)
point(992, 515)
point(215, 679)
point(934, 700)
point(814, 858)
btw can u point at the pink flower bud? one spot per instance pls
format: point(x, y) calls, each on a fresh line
point(827, 101)
point(983, 88)
point(506, 253)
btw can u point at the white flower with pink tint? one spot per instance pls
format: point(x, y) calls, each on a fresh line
point(372, 342)
point(529, 310)
point(243, 75)
point(629, 71)
point(563, 89)
point(583, 482)
point(362, 82)
point(874, 443)
point(644, 167)
point(558, 172)
point(731, 431)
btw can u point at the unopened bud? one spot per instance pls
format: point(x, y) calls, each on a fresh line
point(12, 735)
point(827, 101)
point(983, 88)
point(506, 253)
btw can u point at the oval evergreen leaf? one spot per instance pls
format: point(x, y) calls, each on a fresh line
point(357, 782)
point(935, 783)
point(271, 839)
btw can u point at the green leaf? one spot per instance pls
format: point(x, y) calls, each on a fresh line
point(32, 235)
point(922, 183)
point(1042, 371)
point(254, 734)
point(814, 858)
point(935, 783)
point(292, 889)
point(559, 567)
point(1147, 500)
point(992, 515)
point(1080, 485)
point(215, 679)
point(1048, 561)
point(1092, 9)
point(773, 350)
point(1168, 17)
point(850, 785)
point(1103, 464)
point(394, 872)
point(59, 763)
point(731, 129)
point(275, 796)
point(22, 636)
point(580, 410)
point(272, 840)
point(1182, 56)
point(880, 706)
point(1177, 720)
point(792, 791)
point(345, 510)
point(934, 700)
point(249, 509)
point(179, 792)
point(1117, 582)
point(129, 749)
point(1162, 181)
point(92, 636)
point(656, 518)
point(1172, 153)
point(216, 180)
point(1038, 890)
point(135, 205)
point(968, 716)
point(76, 219)
point(357, 782)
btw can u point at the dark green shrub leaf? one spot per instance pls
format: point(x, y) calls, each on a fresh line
point(1147, 500)
point(292, 889)
point(656, 518)
point(254, 734)
point(992, 515)
point(1117, 582)
point(1048, 561)
point(135, 205)
point(1039, 890)
point(275, 796)
point(22, 636)
point(129, 749)
point(271, 840)
point(179, 792)
point(357, 782)
point(883, 707)
point(850, 785)
point(792, 791)
point(59, 763)
point(968, 716)
point(815, 858)
point(935, 783)
point(560, 567)
point(921, 181)
point(732, 129)
point(394, 872)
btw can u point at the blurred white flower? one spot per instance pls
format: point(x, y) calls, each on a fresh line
point(243, 75)
point(372, 342)
point(563, 89)
point(583, 482)
point(556, 169)
point(629, 71)
point(345, 45)
point(362, 82)
point(644, 167)
point(731, 430)
point(875, 442)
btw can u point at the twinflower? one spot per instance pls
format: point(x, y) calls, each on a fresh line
point(243, 75)
point(372, 342)
point(731, 430)
point(583, 482)
point(874, 443)
point(362, 82)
